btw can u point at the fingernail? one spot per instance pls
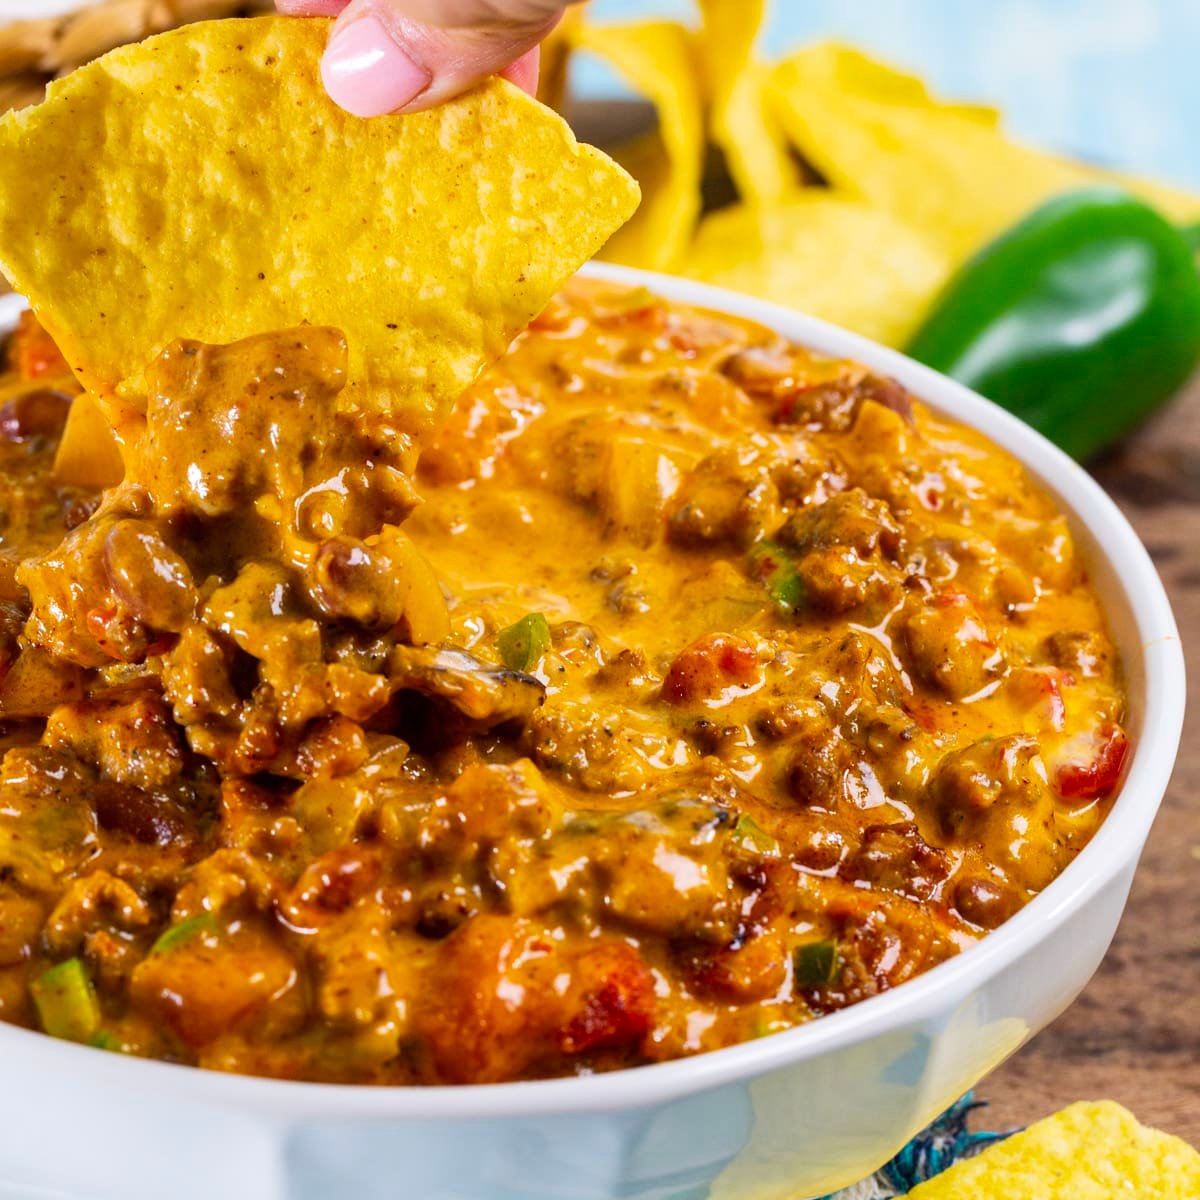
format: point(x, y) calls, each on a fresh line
point(366, 72)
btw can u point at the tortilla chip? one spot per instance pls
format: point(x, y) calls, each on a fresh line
point(1090, 1151)
point(944, 168)
point(1175, 203)
point(802, 252)
point(838, 68)
point(741, 119)
point(202, 185)
point(656, 59)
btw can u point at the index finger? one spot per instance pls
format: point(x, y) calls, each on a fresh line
point(310, 8)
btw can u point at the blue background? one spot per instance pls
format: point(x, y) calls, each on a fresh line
point(1116, 81)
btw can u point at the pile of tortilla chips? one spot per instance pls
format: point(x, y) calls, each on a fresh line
point(859, 191)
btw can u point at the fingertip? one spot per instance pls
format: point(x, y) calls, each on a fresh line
point(525, 70)
point(310, 8)
point(366, 72)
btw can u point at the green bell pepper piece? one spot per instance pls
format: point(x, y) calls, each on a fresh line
point(524, 642)
point(1081, 319)
point(814, 964)
point(751, 836)
point(175, 936)
point(66, 1002)
point(772, 567)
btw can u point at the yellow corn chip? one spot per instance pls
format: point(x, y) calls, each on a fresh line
point(944, 168)
point(840, 68)
point(656, 59)
point(1175, 203)
point(802, 252)
point(742, 121)
point(1090, 1151)
point(202, 185)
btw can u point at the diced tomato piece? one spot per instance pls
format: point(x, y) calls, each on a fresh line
point(703, 670)
point(1040, 691)
point(555, 317)
point(98, 620)
point(616, 1007)
point(102, 623)
point(120, 635)
point(950, 599)
point(683, 342)
point(504, 995)
point(652, 317)
point(33, 352)
point(1091, 763)
point(637, 309)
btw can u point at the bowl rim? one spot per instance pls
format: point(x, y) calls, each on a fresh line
point(1113, 849)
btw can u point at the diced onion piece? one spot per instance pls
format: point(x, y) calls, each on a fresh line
point(88, 454)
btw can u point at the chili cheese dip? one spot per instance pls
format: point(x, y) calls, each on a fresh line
point(692, 687)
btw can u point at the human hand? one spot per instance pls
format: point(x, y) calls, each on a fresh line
point(405, 55)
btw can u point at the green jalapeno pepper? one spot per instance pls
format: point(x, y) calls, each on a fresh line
point(1082, 319)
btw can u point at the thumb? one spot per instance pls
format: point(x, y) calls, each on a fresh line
point(403, 55)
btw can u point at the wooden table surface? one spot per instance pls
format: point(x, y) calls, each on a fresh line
point(1134, 1034)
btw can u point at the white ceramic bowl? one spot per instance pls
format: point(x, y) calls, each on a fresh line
point(785, 1117)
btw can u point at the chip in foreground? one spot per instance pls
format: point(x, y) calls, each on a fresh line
point(1089, 1151)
